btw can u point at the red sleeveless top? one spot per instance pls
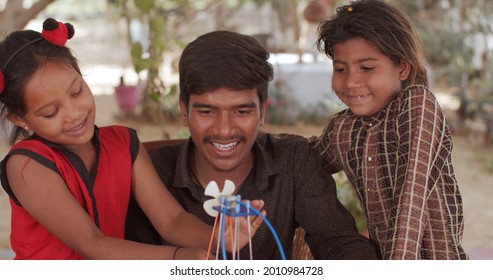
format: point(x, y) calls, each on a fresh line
point(104, 194)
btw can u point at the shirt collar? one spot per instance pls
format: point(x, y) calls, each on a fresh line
point(183, 172)
point(265, 165)
point(380, 116)
point(374, 119)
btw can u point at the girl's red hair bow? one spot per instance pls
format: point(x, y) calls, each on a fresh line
point(57, 32)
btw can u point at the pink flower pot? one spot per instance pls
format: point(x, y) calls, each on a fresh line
point(128, 97)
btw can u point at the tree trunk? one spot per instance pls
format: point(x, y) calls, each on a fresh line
point(15, 17)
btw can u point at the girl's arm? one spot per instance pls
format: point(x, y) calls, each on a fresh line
point(429, 145)
point(172, 222)
point(326, 145)
point(45, 196)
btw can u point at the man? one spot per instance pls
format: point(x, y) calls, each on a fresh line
point(223, 91)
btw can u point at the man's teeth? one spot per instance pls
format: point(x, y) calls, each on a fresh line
point(225, 147)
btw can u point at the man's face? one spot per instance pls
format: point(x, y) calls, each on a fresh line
point(223, 125)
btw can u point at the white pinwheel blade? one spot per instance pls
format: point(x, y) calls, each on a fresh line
point(229, 187)
point(208, 204)
point(212, 189)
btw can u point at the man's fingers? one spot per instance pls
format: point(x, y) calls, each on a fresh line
point(257, 221)
point(257, 204)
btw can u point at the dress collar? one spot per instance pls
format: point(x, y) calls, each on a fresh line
point(94, 140)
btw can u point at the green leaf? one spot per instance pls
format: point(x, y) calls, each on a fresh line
point(155, 96)
point(158, 25)
point(138, 61)
point(159, 45)
point(144, 5)
point(173, 89)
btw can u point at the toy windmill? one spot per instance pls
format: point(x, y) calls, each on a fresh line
point(225, 204)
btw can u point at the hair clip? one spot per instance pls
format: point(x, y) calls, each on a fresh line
point(57, 32)
point(350, 9)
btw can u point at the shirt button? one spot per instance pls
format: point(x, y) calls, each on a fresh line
point(370, 158)
point(368, 189)
point(370, 124)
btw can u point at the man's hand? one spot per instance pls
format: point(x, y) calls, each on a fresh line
point(246, 229)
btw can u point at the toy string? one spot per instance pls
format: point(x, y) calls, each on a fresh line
point(212, 239)
point(230, 223)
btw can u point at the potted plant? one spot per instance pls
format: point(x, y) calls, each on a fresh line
point(145, 33)
point(128, 97)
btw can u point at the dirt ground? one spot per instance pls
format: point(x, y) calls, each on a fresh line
point(473, 166)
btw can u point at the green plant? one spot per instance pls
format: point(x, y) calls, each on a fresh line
point(489, 165)
point(348, 197)
point(147, 50)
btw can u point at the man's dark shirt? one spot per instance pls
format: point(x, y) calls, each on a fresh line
point(288, 175)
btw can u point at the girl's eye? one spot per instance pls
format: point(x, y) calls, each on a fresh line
point(367, 68)
point(338, 69)
point(51, 115)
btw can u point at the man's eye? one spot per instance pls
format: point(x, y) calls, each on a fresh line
point(244, 112)
point(367, 68)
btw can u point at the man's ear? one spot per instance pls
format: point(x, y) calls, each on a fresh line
point(404, 69)
point(184, 113)
point(262, 112)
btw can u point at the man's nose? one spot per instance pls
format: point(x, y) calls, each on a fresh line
point(225, 123)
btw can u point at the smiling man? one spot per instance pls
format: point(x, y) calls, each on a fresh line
point(224, 80)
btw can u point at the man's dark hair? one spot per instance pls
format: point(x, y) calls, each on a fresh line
point(224, 59)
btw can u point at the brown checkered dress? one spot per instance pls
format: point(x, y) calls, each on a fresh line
point(400, 163)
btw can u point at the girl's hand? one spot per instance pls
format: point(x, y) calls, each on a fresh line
point(191, 254)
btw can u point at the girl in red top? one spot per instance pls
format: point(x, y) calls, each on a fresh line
point(70, 181)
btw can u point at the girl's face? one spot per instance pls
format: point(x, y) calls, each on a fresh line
point(60, 106)
point(365, 79)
